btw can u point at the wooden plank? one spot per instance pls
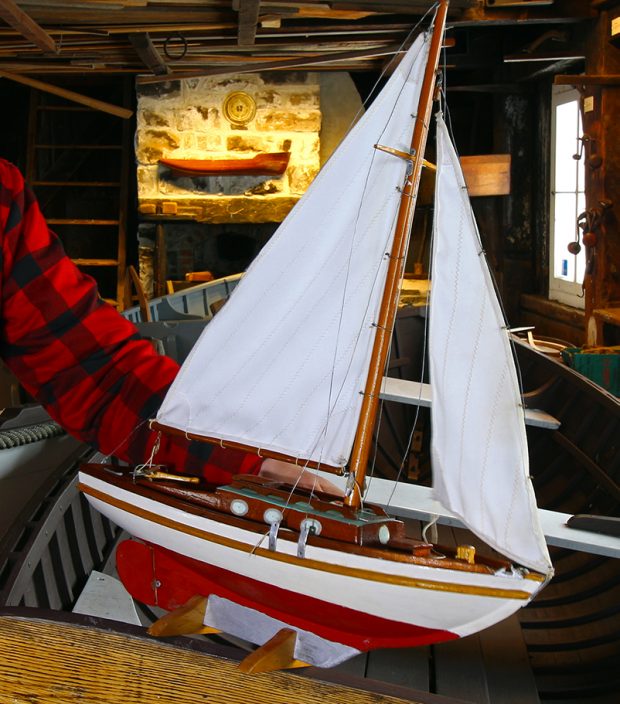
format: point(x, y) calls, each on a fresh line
point(248, 20)
point(48, 661)
point(509, 675)
point(459, 670)
point(608, 79)
point(408, 667)
point(273, 65)
point(419, 394)
point(487, 174)
point(26, 26)
point(68, 95)
point(607, 315)
point(80, 221)
point(148, 53)
point(95, 262)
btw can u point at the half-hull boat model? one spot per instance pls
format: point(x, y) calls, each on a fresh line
point(297, 377)
point(270, 164)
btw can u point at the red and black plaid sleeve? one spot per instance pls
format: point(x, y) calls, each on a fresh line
point(77, 356)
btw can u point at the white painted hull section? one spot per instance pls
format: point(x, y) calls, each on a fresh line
point(429, 607)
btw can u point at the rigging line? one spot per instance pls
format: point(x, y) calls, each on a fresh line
point(388, 66)
point(126, 439)
point(380, 414)
point(417, 411)
point(149, 463)
point(418, 406)
point(443, 89)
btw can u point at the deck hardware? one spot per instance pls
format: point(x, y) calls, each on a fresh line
point(239, 507)
point(303, 539)
point(467, 553)
point(273, 535)
point(314, 526)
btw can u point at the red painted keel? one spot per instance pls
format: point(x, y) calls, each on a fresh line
point(159, 577)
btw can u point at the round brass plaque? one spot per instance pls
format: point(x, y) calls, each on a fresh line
point(239, 108)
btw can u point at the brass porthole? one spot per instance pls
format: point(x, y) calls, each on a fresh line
point(239, 108)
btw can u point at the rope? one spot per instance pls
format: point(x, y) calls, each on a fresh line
point(32, 433)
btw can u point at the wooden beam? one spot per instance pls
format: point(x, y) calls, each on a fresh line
point(248, 20)
point(274, 65)
point(69, 95)
point(579, 80)
point(26, 26)
point(146, 50)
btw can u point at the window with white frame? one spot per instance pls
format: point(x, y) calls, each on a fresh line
point(566, 270)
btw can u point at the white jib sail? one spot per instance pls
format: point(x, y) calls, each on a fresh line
point(282, 366)
point(479, 447)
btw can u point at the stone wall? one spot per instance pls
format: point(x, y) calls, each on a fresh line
point(186, 120)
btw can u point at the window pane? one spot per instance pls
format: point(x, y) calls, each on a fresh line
point(566, 144)
point(565, 231)
point(581, 258)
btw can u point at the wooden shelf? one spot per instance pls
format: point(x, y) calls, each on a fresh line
point(70, 173)
point(608, 315)
point(64, 108)
point(90, 147)
point(87, 184)
point(95, 262)
point(80, 221)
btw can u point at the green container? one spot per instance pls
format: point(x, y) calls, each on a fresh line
point(602, 367)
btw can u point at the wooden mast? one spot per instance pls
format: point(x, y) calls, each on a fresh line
point(389, 303)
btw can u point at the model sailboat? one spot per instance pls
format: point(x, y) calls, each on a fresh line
point(297, 377)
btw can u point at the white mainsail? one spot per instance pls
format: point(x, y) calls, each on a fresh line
point(479, 447)
point(283, 365)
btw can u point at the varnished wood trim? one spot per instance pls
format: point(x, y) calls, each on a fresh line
point(355, 572)
point(301, 463)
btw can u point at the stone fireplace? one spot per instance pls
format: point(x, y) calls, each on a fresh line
point(191, 119)
point(221, 222)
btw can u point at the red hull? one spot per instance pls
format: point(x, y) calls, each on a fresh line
point(259, 165)
point(178, 578)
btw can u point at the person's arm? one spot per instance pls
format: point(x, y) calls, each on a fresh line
point(77, 355)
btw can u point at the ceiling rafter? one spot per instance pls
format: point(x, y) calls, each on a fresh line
point(274, 65)
point(248, 20)
point(132, 36)
point(148, 53)
point(26, 26)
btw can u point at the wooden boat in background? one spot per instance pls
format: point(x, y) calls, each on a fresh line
point(266, 164)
